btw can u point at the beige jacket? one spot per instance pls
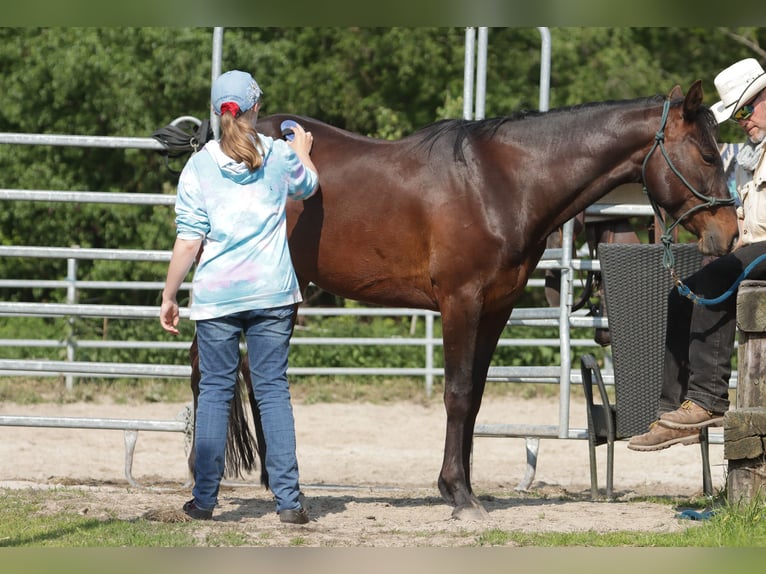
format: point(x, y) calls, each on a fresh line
point(752, 212)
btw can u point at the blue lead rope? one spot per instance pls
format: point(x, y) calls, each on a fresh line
point(686, 292)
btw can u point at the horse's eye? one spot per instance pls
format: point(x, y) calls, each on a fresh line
point(708, 158)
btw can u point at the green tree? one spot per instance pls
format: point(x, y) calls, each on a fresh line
point(381, 82)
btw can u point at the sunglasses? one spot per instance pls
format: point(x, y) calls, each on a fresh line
point(744, 112)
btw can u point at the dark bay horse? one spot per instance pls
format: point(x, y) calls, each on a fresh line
point(455, 217)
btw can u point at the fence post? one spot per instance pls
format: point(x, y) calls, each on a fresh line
point(745, 426)
point(71, 298)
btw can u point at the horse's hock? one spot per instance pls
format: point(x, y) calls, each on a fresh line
point(745, 426)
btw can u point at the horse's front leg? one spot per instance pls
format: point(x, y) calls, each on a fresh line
point(461, 319)
point(467, 356)
point(459, 327)
point(454, 484)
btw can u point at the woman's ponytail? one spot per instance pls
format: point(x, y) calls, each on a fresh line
point(240, 141)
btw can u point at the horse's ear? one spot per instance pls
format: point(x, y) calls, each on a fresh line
point(676, 93)
point(693, 100)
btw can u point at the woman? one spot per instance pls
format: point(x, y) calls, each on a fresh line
point(231, 202)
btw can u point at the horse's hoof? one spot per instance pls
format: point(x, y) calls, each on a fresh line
point(474, 512)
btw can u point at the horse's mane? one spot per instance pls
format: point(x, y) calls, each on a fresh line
point(460, 129)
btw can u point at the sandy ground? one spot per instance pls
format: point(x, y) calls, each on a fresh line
point(368, 471)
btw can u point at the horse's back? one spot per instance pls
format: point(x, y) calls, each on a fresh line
point(366, 233)
point(395, 221)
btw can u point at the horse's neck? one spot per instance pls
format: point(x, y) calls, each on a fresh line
point(605, 149)
point(609, 150)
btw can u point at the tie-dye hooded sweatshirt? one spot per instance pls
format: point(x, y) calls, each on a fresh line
point(240, 215)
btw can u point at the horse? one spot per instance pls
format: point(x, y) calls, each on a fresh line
point(454, 217)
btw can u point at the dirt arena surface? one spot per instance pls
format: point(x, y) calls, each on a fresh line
point(368, 471)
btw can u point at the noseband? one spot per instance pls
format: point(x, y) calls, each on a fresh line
point(665, 238)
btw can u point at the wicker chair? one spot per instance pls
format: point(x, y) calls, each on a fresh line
point(636, 286)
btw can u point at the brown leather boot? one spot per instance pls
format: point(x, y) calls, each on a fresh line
point(660, 437)
point(690, 416)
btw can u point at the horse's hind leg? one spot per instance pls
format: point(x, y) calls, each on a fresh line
point(610, 231)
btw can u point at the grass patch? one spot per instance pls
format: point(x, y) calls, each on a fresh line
point(25, 522)
point(228, 538)
point(494, 537)
point(55, 518)
point(731, 526)
point(298, 541)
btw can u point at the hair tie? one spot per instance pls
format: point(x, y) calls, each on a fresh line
point(230, 107)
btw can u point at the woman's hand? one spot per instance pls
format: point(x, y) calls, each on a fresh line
point(302, 143)
point(169, 315)
point(184, 254)
point(302, 140)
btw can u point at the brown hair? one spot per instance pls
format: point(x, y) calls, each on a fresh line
point(240, 141)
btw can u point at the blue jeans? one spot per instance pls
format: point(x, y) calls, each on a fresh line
point(267, 333)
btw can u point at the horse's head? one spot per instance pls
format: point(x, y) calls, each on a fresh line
point(683, 172)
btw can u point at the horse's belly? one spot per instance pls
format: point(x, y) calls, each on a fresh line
point(386, 291)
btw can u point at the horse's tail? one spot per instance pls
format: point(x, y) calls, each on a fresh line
point(241, 446)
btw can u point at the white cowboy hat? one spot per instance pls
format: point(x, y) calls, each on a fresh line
point(737, 85)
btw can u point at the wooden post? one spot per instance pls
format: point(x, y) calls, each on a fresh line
point(745, 426)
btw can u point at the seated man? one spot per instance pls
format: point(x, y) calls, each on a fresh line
point(700, 338)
